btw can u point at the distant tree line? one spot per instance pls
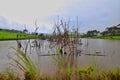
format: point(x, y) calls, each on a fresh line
point(109, 31)
point(12, 30)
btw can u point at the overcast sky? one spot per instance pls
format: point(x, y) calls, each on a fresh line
point(92, 14)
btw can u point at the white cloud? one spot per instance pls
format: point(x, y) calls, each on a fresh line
point(6, 24)
point(25, 11)
point(89, 12)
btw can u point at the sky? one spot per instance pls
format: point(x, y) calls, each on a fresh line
point(92, 14)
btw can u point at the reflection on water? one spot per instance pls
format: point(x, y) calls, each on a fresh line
point(110, 48)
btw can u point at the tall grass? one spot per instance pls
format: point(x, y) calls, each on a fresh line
point(8, 74)
point(30, 68)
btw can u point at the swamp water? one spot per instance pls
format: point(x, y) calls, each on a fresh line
point(105, 53)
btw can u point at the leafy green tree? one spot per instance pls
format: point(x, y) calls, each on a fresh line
point(92, 33)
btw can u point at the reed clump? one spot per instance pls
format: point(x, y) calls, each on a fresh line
point(30, 68)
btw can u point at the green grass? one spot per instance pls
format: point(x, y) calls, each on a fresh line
point(106, 37)
point(77, 74)
point(4, 35)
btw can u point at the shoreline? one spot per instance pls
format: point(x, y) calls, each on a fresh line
point(15, 39)
point(105, 37)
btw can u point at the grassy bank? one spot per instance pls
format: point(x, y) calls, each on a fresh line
point(76, 75)
point(4, 35)
point(106, 37)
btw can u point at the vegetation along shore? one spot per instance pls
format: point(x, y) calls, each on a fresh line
point(109, 33)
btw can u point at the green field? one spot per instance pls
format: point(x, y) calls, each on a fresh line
point(4, 35)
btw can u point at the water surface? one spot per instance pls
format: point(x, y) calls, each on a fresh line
point(110, 48)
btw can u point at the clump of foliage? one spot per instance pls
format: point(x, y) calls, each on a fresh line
point(30, 68)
